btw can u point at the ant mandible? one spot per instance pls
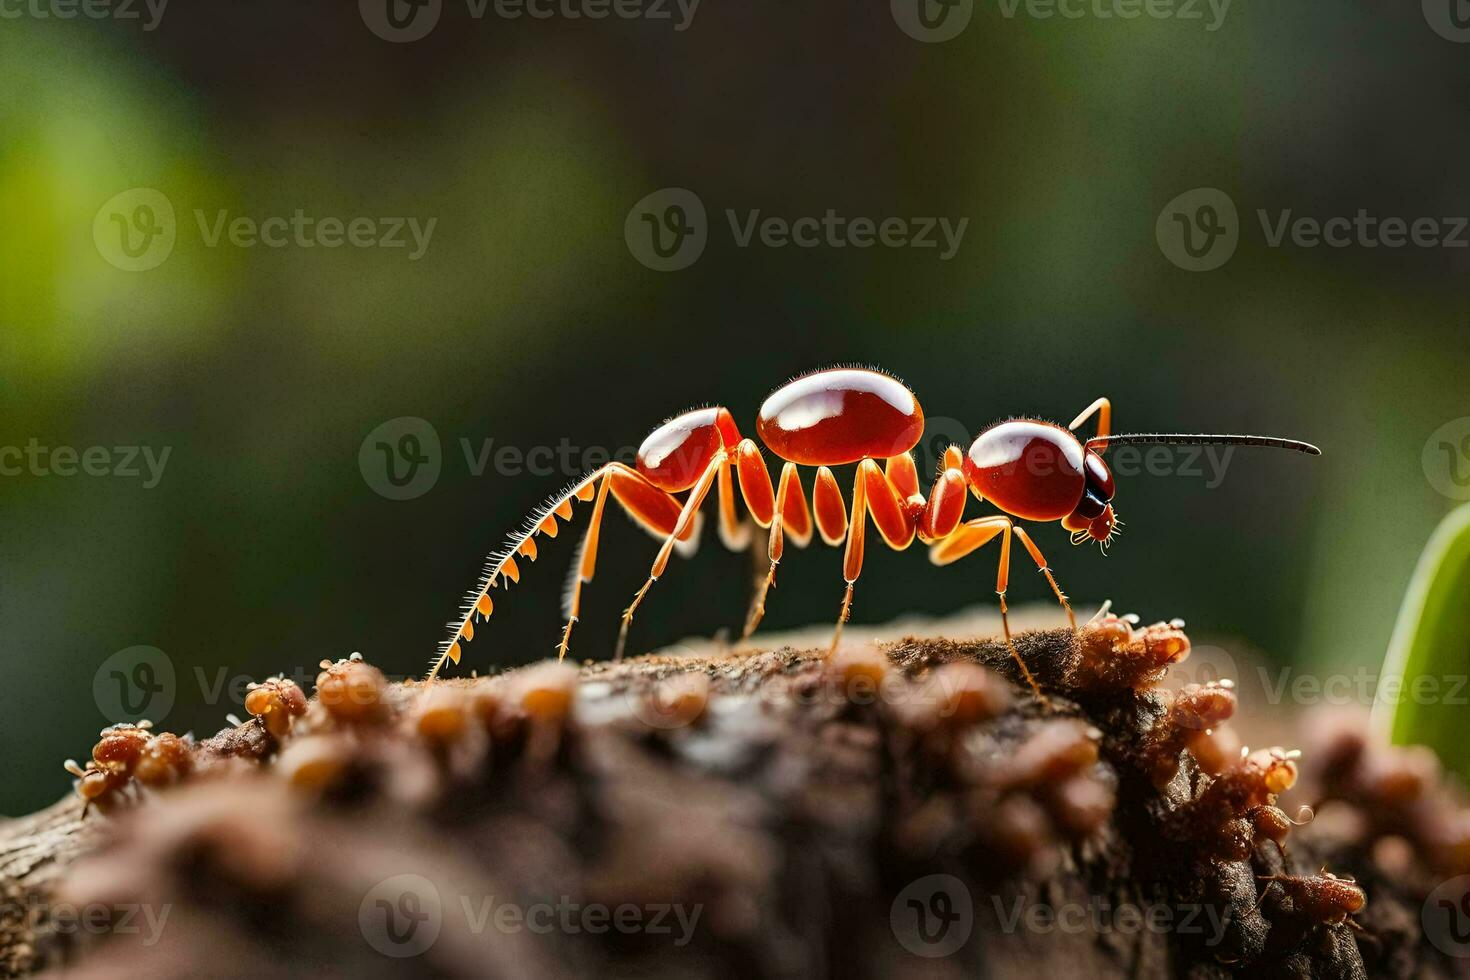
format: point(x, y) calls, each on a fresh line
point(1029, 469)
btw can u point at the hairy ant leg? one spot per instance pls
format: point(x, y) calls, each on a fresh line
point(975, 534)
point(650, 507)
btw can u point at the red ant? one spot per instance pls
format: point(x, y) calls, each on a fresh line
point(1029, 469)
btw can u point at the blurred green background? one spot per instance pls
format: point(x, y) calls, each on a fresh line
point(528, 321)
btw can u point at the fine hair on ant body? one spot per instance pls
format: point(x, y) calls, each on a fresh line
point(1029, 469)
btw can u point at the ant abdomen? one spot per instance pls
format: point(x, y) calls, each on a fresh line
point(840, 416)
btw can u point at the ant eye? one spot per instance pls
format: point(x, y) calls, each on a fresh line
point(1088, 509)
point(1091, 506)
point(1099, 477)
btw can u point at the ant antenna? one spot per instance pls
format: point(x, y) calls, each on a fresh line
point(1201, 439)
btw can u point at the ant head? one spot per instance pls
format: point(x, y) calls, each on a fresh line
point(1093, 517)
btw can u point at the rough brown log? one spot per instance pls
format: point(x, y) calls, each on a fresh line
point(779, 814)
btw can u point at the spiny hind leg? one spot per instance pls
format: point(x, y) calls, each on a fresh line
point(649, 506)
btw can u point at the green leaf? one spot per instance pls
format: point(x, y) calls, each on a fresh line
point(1422, 695)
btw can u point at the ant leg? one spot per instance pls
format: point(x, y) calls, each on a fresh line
point(1103, 409)
point(904, 476)
point(646, 504)
point(946, 504)
point(649, 506)
point(852, 559)
point(1041, 563)
point(791, 514)
point(686, 520)
point(893, 514)
point(795, 515)
point(872, 495)
point(755, 482)
point(774, 549)
point(971, 536)
point(734, 534)
point(827, 505)
point(586, 565)
point(502, 565)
